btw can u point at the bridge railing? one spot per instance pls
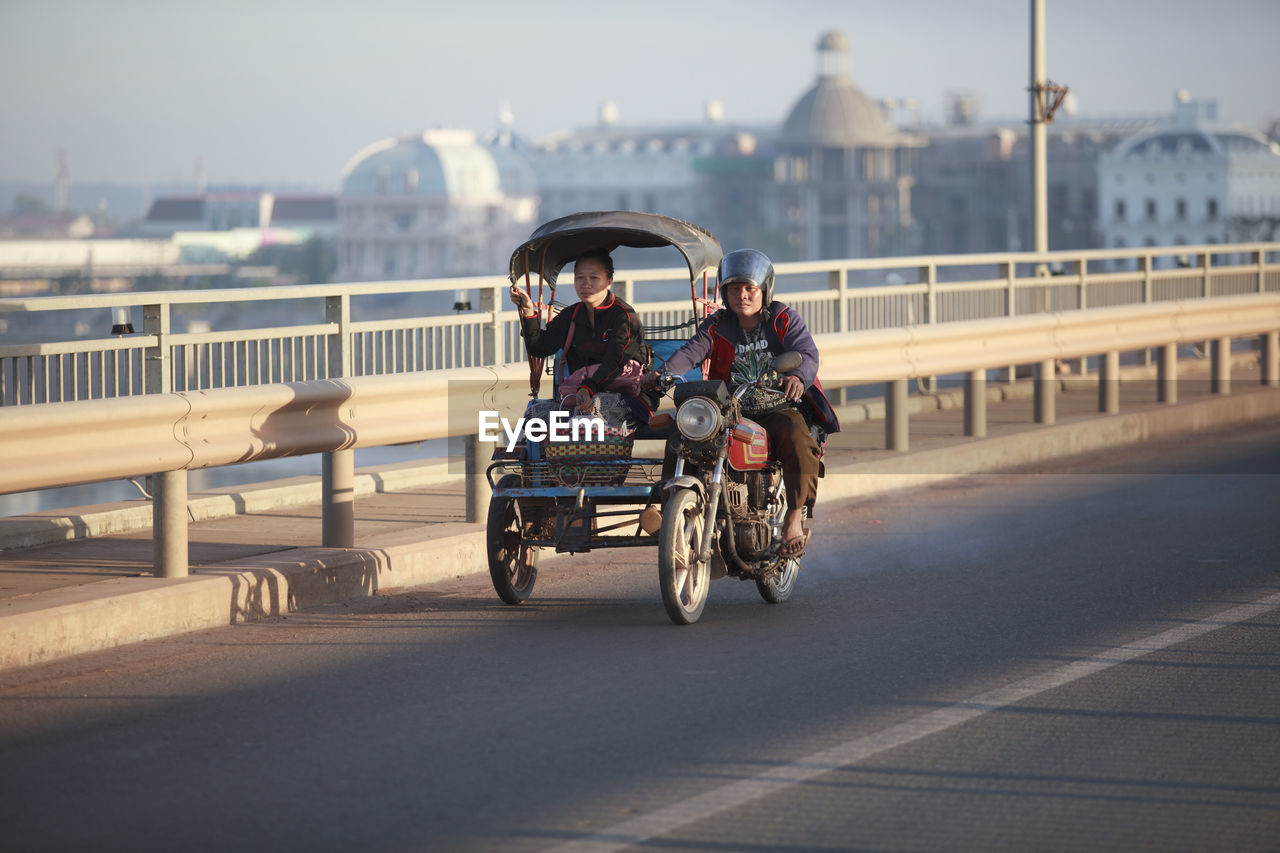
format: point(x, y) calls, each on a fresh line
point(200, 339)
point(167, 434)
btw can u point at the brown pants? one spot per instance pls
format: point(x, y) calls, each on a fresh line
point(791, 443)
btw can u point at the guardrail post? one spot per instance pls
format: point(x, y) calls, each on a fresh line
point(1109, 382)
point(338, 467)
point(1167, 375)
point(1270, 359)
point(476, 484)
point(1010, 272)
point(1206, 269)
point(169, 488)
point(491, 332)
point(930, 275)
point(1081, 365)
point(1046, 380)
point(338, 510)
point(1145, 266)
point(157, 377)
point(1082, 270)
point(931, 317)
point(895, 415)
point(1220, 382)
point(975, 403)
point(838, 280)
point(169, 524)
point(1260, 260)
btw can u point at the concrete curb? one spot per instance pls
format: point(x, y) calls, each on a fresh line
point(59, 623)
point(64, 622)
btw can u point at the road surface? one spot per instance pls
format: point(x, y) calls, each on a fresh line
point(1081, 656)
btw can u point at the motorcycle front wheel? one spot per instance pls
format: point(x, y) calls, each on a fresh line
point(682, 578)
point(513, 565)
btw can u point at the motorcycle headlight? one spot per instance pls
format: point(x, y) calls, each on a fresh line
point(698, 419)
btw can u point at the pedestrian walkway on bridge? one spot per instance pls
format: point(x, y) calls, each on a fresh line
point(268, 560)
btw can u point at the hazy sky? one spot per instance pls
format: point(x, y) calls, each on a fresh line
point(273, 91)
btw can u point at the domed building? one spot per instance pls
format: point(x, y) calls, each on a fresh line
point(432, 204)
point(841, 177)
point(1189, 182)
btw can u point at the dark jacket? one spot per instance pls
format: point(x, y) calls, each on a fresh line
point(608, 336)
point(785, 330)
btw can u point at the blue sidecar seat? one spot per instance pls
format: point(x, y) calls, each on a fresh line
point(663, 349)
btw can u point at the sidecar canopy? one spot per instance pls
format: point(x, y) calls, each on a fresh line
point(559, 241)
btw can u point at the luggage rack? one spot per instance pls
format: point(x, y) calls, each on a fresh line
point(591, 472)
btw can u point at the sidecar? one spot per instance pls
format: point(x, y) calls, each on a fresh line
point(589, 491)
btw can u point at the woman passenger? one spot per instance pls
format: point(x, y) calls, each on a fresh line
point(601, 336)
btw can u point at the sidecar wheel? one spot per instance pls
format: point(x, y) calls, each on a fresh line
point(778, 588)
point(682, 579)
point(513, 565)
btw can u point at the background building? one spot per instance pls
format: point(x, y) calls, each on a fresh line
point(1188, 182)
point(313, 213)
point(437, 203)
point(843, 175)
point(704, 172)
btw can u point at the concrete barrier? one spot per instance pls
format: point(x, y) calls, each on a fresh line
point(31, 532)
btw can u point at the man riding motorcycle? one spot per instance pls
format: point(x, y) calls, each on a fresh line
point(741, 343)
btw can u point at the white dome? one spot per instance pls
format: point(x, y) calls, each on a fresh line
point(448, 163)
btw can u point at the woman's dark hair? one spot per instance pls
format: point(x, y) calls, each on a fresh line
point(600, 256)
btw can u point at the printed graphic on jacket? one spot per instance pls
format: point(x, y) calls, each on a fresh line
point(752, 361)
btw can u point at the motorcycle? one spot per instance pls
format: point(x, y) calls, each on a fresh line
point(724, 505)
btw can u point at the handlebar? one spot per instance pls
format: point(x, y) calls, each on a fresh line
point(757, 386)
point(667, 381)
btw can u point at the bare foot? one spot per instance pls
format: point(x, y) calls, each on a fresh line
point(792, 524)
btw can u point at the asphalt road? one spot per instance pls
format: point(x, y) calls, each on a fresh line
point(1084, 656)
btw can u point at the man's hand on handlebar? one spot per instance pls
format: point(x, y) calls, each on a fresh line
point(792, 387)
point(661, 380)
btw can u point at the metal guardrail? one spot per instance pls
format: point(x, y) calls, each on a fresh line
point(74, 442)
point(323, 337)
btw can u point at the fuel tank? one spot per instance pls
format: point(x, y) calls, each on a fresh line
point(748, 446)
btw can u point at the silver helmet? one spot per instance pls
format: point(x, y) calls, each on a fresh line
point(747, 265)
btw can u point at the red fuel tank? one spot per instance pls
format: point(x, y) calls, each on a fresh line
point(748, 446)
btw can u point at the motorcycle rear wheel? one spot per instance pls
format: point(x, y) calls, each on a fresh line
point(513, 565)
point(778, 588)
point(681, 577)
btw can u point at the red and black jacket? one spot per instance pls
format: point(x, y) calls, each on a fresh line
point(785, 330)
point(609, 335)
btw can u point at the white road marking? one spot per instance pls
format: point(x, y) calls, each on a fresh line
point(648, 826)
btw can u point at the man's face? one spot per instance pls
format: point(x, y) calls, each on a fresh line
point(745, 299)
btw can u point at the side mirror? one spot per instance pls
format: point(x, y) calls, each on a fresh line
point(787, 361)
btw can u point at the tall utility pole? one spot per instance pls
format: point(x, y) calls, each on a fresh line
point(1039, 152)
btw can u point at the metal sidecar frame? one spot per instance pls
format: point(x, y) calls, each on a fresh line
point(594, 501)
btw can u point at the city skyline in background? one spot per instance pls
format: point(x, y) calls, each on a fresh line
point(286, 93)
